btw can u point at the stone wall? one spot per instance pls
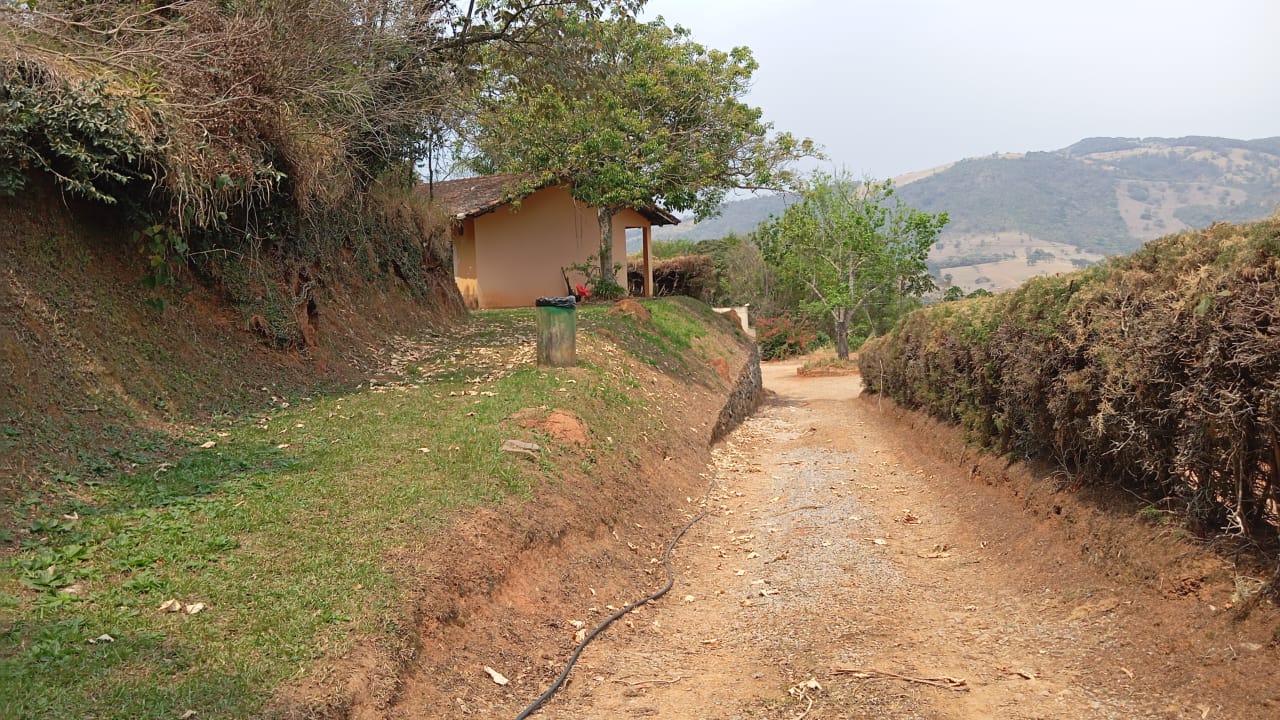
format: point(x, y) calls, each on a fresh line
point(746, 396)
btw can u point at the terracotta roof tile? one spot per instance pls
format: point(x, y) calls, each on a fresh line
point(470, 197)
point(474, 196)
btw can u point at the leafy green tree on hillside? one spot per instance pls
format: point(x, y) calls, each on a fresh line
point(667, 249)
point(855, 248)
point(645, 115)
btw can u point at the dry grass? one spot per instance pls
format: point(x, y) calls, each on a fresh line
point(819, 367)
point(239, 105)
point(1014, 271)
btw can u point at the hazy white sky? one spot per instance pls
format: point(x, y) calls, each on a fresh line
point(899, 85)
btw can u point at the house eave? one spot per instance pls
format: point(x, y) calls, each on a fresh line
point(658, 216)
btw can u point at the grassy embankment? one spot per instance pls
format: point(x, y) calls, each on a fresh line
point(1158, 372)
point(286, 524)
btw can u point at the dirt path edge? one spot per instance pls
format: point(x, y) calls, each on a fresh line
point(1102, 526)
point(498, 584)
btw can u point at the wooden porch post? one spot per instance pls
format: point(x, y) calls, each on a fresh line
point(648, 260)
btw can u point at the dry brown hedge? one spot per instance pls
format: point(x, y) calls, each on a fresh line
point(1158, 372)
point(690, 275)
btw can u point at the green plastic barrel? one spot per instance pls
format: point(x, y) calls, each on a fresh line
point(557, 331)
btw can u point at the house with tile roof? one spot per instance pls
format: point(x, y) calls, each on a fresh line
point(512, 237)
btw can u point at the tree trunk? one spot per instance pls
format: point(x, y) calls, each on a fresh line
point(605, 216)
point(842, 333)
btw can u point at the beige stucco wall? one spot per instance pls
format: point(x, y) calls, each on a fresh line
point(518, 251)
point(621, 221)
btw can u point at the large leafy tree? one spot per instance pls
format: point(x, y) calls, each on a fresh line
point(856, 249)
point(631, 114)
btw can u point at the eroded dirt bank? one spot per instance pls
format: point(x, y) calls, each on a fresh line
point(860, 549)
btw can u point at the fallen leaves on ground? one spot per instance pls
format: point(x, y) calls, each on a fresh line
point(1088, 610)
point(172, 606)
point(941, 550)
point(948, 683)
point(800, 689)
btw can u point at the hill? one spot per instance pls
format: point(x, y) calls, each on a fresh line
point(1014, 216)
point(1108, 195)
point(736, 216)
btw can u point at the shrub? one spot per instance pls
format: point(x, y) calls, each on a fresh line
point(1040, 255)
point(667, 249)
point(1157, 372)
point(690, 275)
point(828, 366)
point(784, 337)
point(599, 286)
point(223, 107)
point(76, 130)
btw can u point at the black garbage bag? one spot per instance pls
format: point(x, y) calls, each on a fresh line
point(567, 303)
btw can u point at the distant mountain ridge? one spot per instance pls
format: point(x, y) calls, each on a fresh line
point(1107, 195)
point(1104, 195)
point(736, 216)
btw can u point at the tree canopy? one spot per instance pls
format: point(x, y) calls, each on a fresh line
point(243, 124)
point(637, 114)
point(855, 249)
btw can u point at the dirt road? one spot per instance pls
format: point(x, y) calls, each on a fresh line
point(850, 570)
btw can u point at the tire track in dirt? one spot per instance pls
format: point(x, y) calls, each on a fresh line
point(835, 544)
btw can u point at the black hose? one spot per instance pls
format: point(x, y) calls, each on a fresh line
point(671, 581)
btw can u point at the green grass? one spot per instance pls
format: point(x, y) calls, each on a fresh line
point(675, 340)
point(288, 529)
point(677, 326)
